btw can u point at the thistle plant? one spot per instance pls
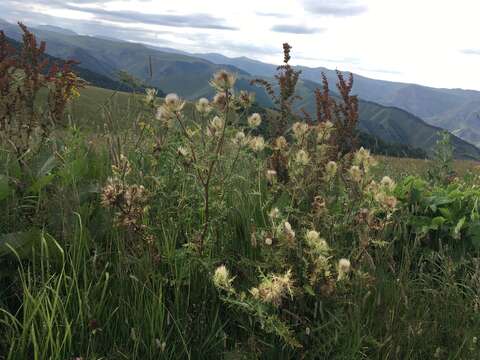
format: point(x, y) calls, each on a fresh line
point(204, 141)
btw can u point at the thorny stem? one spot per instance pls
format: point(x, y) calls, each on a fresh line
point(206, 186)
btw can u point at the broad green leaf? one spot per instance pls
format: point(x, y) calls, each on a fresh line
point(474, 234)
point(458, 228)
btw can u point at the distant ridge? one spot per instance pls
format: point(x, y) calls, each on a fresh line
point(189, 76)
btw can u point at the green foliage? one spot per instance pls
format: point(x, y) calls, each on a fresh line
point(165, 234)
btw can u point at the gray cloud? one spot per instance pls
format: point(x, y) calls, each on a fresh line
point(296, 29)
point(201, 21)
point(338, 8)
point(471, 51)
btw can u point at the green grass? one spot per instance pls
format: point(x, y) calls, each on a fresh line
point(75, 284)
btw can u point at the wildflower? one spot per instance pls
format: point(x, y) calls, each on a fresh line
point(246, 99)
point(203, 106)
point(331, 169)
point(240, 138)
point(318, 245)
point(390, 202)
point(164, 115)
point(274, 288)
point(220, 100)
point(222, 279)
point(355, 173)
point(217, 123)
point(174, 103)
point(274, 213)
point(363, 158)
point(257, 144)
point(343, 268)
point(287, 230)
point(183, 151)
point(387, 183)
point(280, 143)
point(268, 241)
point(111, 192)
point(299, 130)
point(223, 80)
point(254, 120)
point(150, 95)
point(312, 236)
point(302, 157)
point(271, 175)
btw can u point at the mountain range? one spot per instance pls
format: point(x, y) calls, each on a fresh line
point(396, 113)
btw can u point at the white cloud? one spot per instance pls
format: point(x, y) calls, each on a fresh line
point(420, 41)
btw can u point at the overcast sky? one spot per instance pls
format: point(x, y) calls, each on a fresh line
point(430, 42)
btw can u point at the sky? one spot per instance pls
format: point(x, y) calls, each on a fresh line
point(429, 42)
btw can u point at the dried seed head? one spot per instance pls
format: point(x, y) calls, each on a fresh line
point(299, 130)
point(356, 173)
point(302, 157)
point(257, 144)
point(223, 80)
point(254, 120)
point(343, 268)
point(203, 106)
point(222, 279)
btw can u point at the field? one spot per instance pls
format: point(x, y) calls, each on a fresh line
point(134, 227)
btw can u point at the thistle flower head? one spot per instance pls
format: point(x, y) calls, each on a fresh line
point(280, 143)
point(299, 130)
point(165, 116)
point(254, 120)
point(331, 169)
point(246, 99)
point(317, 244)
point(388, 202)
point(288, 231)
point(312, 236)
point(302, 157)
point(217, 124)
point(274, 288)
point(274, 213)
point(363, 158)
point(220, 100)
point(387, 183)
point(355, 173)
point(223, 80)
point(221, 278)
point(343, 268)
point(182, 151)
point(203, 106)
point(174, 103)
point(150, 95)
point(257, 143)
point(240, 139)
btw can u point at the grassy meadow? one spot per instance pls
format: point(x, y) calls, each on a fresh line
point(134, 227)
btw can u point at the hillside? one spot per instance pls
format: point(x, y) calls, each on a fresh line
point(189, 76)
point(455, 110)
